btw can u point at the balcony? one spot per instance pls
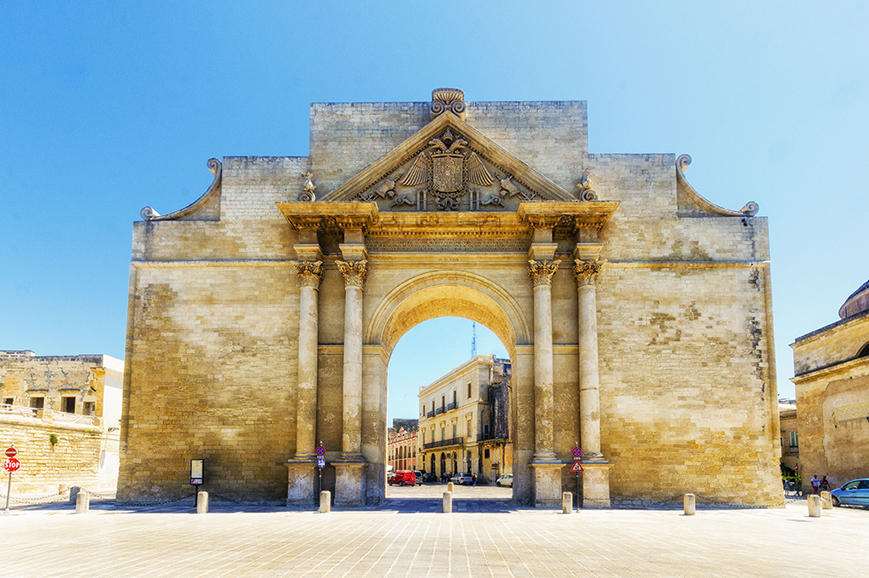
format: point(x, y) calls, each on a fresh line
point(439, 411)
point(451, 406)
point(430, 414)
point(443, 443)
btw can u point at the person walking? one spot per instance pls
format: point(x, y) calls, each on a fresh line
point(824, 485)
point(474, 479)
point(816, 483)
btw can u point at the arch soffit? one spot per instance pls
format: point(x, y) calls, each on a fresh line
point(447, 293)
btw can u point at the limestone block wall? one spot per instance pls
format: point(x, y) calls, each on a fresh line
point(83, 456)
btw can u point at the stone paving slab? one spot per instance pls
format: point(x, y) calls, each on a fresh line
point(403, 538)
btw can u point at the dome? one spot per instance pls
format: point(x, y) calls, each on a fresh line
point(858, 302)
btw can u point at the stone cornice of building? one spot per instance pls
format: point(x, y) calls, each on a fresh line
point(840, 324)
point(482, 359)
point(832, 369)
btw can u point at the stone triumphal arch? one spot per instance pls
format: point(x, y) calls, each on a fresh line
point(636, 314)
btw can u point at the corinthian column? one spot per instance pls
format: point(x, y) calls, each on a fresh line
point(354, 273)
point(586, 273)
point(310, 273)
point(541, 273)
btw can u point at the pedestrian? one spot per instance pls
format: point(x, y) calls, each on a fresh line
point(474, 478)
point(815, 484)
point(824, 485)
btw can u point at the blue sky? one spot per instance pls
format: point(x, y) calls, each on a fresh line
point(106, 107)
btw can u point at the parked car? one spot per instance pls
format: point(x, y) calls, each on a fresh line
point(403, 478)
point(854, 492)
point(389, 476)
point(429, 477)
point(462, 479)
point(419, 477)
point(505, 480)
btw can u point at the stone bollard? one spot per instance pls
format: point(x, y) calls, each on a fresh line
point(448, 502)
point(689, 504)
point(325, 502)
point(82, 502)
point(202, 502)
point(450, 487)
point(73, 493)
point(826, 501)
point(814, 501)
point(566, 503)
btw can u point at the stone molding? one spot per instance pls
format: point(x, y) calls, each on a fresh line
point(541, 272)
point(354, 272)
point(309, 272)
point(586, 272)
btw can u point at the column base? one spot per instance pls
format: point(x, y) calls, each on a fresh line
point(596, 484)
point(547, 484)
point(349, 483)
point(301, 481)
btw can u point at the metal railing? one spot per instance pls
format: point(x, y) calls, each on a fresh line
point(439, 411)
point(451, 406)
point(430, 414)
point(443, 443)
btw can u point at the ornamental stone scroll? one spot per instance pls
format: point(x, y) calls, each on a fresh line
point(354, 272)
point(586, 271)
point(541, 272)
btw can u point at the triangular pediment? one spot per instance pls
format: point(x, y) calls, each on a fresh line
point(448, 165)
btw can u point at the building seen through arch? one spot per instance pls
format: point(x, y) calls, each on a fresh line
point(636, 314)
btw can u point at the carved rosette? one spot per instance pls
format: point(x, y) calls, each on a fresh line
point(354, 272)
point(541, 272)
point(310, 272)
point(585, 272)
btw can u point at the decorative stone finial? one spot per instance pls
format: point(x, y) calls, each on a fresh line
point(307, 195)
point(451, 99)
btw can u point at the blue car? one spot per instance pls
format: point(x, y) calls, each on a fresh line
point(855, 492)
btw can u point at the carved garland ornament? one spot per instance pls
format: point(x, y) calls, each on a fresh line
point(310, 272)
point(586, 272)
point(354, 272)
point(541, 272)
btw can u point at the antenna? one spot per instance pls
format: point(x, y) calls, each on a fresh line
point(473, 339)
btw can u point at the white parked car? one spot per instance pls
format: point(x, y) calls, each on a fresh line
point(505, 480)
point(462, 479)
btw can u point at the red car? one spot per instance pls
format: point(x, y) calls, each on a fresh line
point(403, 478)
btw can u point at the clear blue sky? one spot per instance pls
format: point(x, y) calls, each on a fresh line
point(106, 107)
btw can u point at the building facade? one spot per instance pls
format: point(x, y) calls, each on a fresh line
point(63, 414)
point(831, 375)
point(790, 441)
point(402, 447)
point(636, 314)
point(465, 420)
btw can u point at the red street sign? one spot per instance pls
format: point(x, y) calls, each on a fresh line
point(577, 467)
point(11, 465)
point(321, 451)
point(577, 452)
point(11, 452)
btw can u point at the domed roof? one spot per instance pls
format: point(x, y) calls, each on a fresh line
point(858, 302)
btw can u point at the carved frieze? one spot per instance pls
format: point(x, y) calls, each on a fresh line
point(354, 272)
point(586, 271)
point(541, 272)
point(310, 272)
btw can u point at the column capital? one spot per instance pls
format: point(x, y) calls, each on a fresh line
point(541, 272)
point(310, 272)
point(354, 272)
point(586, 272)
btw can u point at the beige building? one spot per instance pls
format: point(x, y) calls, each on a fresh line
point(831, 374)
point(63, 414)
point(464, 420)
point(402, 448)
point(790, 441)
point(636, 314)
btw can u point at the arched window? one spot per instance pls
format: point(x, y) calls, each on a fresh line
point(864, 352)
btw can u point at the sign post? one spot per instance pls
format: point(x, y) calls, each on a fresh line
point(321, 463)
point(11, 464)
point(577, 467)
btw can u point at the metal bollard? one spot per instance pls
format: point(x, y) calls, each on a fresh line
point(566, 503)
point(73, 493)
point(82, 503)
point(325, 502)
point(689, 504)
point(826, 501)
point(450, 487)
point(202, 502)
point(448, 502)
point(814, 506)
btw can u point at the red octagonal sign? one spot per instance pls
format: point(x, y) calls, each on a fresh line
point(11, 452)
point(11, 465)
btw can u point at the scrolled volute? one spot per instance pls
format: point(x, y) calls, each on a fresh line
point(354, 272)
point(541, 272)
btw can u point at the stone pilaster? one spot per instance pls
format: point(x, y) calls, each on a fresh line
point(355, 273)
point(310, 274)
point(541, 273)
point(585, 273)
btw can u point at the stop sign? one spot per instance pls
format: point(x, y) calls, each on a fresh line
point(11, 452)
point(11, 465)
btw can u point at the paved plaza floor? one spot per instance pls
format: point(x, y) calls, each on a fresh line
point(486, 535)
